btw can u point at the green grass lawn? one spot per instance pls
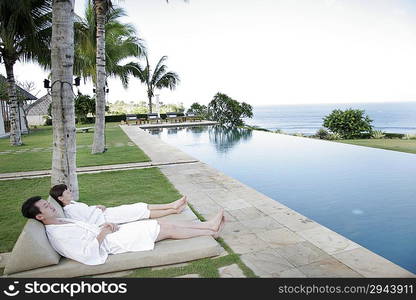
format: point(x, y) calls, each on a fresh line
point(408, 146)
point(142, 185)
point(36, 153)
point(129, 186)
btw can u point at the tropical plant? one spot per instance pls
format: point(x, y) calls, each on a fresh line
point(121, 42)
point(378, 134)
point(199, 110)
point(157, 79)
point(227, 111)
point(334, 136)
point(25, 32)
point(322, 134)
point(84, 104)
point(299, 134)
point(63, 114)
point(102, 43)
point(350, 123)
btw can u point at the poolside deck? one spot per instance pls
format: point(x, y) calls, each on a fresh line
point(273, 240)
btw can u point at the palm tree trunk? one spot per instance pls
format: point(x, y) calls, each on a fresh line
point(150, 104)
point(63, 113)
point(15, 133)
point(99, 140)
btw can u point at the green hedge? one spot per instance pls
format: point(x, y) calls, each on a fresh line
point(394, 135)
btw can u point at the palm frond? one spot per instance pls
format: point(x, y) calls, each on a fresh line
point(121, 42)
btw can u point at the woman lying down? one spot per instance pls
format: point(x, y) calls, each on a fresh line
point(90, 241)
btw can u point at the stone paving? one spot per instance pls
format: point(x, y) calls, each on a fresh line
point(91, 169)
point(272, 239)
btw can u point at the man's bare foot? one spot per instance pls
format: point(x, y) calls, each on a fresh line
point(180, 202)
point(222, 224)
point(215, 222)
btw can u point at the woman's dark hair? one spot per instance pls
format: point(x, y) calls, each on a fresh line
point(29, 210)
point(57, 191)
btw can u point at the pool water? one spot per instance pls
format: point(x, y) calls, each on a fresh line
point(366, 194)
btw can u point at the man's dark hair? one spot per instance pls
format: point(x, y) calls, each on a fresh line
point(57, 191)
point(29, 210)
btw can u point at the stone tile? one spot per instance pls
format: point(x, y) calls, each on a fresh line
point(198, 198)
point(223, 252)
point(269, 206)
point(170, 266)
point(293, 220)
point(302, 253)
point(221, 195)
point(266, 263)
point(212, 185)
point(232, 271)
point(292, 273)
point(234, 228)
point(261, 224)
point(245, 243)
point(189, 276)
point(280, 237)
point(328, 268)
point(328, 240)
point(370, 264)
point(208, 208)
point(247, 213)
point(4, 257)
point(235, 204)
point(229, 217)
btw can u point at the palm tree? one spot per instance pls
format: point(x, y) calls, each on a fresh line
point(121, 42)
point(63, 112)
point(158, 79)
point(102, 43)
point(25, 30)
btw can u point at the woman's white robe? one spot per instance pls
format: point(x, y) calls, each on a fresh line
point(118, 215)
point(77, 240)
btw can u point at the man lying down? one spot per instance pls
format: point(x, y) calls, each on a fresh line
point(90, 243)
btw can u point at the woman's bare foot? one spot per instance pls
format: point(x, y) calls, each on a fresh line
point(180, 208)
point(215, 222)
point(179, 203)
point(222, 224)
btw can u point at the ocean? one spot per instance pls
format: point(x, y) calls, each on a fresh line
point(398, 117)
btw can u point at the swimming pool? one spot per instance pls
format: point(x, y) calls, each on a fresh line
point(365, 194)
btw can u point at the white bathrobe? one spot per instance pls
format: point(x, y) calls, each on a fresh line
point(77, 240)
point(119, 214)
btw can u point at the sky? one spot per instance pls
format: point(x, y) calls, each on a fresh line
point(271, 52)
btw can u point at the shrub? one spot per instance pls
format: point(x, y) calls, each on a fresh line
point(84, 104)
point(298, 134)
point(279, 131)
point(323, 134)
point(349, 124)
point(394, 135)
point(378, 134)
point(334, 136)
point(199, 110)
point(409, 136)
